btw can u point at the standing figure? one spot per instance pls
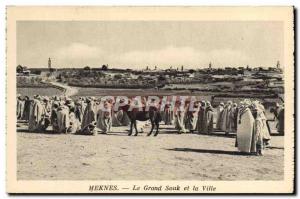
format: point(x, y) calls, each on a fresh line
point(201, 126)
point(245, 128)
point(36, 115)
point(179, 120)
point(209, 118)
point(265, 129)
point(53, 117)
point(20, 107)
point(168, 115)
point(280, 125)
point(218, 116)
point(192, 118)
point(258, 131)
point(63, 119)
point(27, 102)
point(232, 120)
point(226, 118)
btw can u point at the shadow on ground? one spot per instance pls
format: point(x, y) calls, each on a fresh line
point(211, 151)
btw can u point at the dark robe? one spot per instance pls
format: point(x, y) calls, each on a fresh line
point(191, 120)
point(201, 126)
point(280, 125)
point(26, 110)
point(209, 120)
point(54, 120)
point(168, 116)
point(89, 115)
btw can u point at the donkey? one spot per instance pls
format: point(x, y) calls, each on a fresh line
point(153, 115)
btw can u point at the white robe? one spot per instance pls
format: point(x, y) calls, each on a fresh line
point(20, 108)
point(245, 129)
point(74, 126)
point(89, 115)
point(104, 121)
point(36, 116)
point(63, 120)
point(180, 121)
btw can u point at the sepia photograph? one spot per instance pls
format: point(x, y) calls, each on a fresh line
point(150, 100)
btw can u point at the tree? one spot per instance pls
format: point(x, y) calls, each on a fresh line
point(104, 67)
point(278, 64)
point(86, 68)
point(19, 69)
point(161, 78)
point(118, 76)
point(140, 77)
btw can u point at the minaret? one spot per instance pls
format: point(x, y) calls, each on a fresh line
point(49, 64)
point(278, 65)
point(209, 66)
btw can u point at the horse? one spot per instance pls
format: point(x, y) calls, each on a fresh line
point(153, 115)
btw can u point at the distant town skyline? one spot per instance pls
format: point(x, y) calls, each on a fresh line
point(138, 44)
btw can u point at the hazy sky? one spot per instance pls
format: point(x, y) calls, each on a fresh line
point(136, 44)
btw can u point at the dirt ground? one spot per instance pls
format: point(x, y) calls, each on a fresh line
point(116, 156)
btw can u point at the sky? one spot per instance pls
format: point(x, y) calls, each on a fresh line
point(137, 44)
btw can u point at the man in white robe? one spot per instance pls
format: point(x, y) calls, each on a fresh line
point(179, 118)
point(36, 115)
point(63, 119)
point(104, 118)
point(245, 129)
point(264, 128)
point(192, 118)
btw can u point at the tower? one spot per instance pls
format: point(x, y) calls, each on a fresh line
point(278, 65)
point(209, 66)
point(49, 63)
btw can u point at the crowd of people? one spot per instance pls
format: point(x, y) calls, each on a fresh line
point(83, 116)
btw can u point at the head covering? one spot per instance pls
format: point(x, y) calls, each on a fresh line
point(37, 97)
point(88, 99)
point(56, 98)
point(229, 102)
point(78, 102)
point(246, 102)
point(203, 103)
point(208, 103)
point(46, 98)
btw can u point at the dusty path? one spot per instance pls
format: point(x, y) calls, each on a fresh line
point(116, 156)
point(69, 91)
